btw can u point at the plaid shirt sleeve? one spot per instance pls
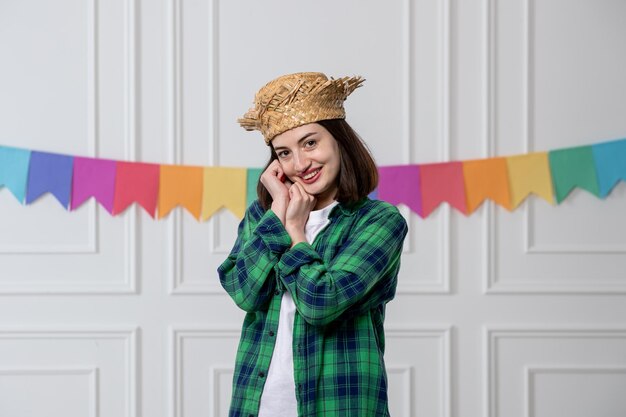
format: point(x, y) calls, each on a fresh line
point(354, 278)
point(247, 274)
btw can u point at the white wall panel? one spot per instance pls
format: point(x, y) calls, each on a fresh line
point(540, 62)
point(419, 368)
point(94, 370)
point(520, 363)
point(71, 88)
point(201, 357)
point(165, 81)
point(575, 391)
point(69, 392)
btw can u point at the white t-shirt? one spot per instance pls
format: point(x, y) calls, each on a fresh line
point(279, 393)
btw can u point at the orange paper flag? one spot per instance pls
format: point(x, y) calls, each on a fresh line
point(486, 178)
point(224, 187)
point(180, 185)
point(530, 173)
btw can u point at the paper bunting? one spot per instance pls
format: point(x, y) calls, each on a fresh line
point(252, 178)
point(224, 187)
point(14, 170)
point(203, 191)
point(52, 173)
point(486, 178)
point(180, 185)
point(442, 182)
point(573, 167)
point(401, 184)
point(93, 178)
point(610, 161)
point(529, 174)
point(136, 183)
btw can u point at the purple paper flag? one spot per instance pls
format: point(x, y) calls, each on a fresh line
point(401, 184)
point(49, 172)
point(93, 177)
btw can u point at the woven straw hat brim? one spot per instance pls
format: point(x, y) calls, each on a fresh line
point(297, 99)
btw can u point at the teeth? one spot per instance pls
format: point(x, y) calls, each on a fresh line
point(311, 175)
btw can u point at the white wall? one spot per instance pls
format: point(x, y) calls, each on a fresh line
point(497, 314)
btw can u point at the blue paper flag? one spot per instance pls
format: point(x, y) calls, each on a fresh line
point(52, 173)
point(14, 170)
point(610, 160)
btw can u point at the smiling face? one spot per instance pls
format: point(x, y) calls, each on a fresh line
point(309, 155)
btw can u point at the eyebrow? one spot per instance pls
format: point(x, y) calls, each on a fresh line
point(299, 140)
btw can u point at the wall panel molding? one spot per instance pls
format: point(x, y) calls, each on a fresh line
point(492, 334)
point(129, 336)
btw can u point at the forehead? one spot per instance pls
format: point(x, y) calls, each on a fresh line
point(291, 137)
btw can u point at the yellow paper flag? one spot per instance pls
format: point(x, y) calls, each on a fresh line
point(224, 187)
point(530, 173)
point(180, 185)
point(486, 178)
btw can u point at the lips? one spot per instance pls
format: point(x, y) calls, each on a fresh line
point(311, 176)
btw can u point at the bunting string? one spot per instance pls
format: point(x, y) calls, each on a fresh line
point(204, 190)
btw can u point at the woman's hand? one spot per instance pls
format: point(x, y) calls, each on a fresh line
point(277, 184)
point(300, 205)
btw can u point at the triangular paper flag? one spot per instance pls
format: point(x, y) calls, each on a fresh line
point(14, 170)
point(136, 183)
point(252, 179)
point(49, 172)
point(610, 161)
point(180, 185)
point(529, 173)
point(486, 178)
point(442, 182)
point(401, 184)
point(573, 167)
point(224, 187)
point(93, 178)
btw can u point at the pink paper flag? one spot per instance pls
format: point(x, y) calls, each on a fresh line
point(93, 178)
point(401, 184)
point(442, 182)
point(136, 182)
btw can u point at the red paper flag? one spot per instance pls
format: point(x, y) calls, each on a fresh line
point(442, 182)
point(136, 183)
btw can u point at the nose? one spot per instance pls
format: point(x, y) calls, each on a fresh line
point(300, 162)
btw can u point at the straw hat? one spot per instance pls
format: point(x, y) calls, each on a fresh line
point(296, 99)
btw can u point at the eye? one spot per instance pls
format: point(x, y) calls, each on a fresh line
point(282, 154)
point(310, 143)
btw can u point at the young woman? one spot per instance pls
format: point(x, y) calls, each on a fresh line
point(314, 263)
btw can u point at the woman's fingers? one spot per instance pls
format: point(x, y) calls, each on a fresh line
point(310, 199)
point(272, 179)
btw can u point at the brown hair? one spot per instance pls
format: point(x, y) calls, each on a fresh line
point(358, 175)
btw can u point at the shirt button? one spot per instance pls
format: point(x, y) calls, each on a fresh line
point(276, 292)
point(261, 374)
point(271, 333)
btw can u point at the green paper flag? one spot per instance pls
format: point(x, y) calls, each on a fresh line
point(252, 179)
point(573, 167)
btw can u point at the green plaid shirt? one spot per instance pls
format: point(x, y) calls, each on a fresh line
point(340, 285)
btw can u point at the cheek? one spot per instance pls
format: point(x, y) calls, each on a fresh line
point(288, 169)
